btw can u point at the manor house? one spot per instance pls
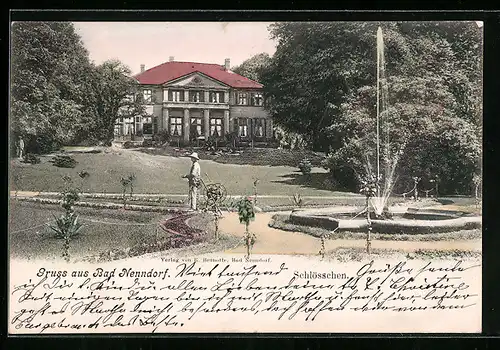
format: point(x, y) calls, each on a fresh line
point(196, 101)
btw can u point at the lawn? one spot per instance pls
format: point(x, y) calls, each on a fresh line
point(162, 174)
point(30, 238)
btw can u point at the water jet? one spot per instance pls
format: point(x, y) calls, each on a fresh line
point(377, 216)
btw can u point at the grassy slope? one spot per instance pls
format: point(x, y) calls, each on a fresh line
point(162, 174)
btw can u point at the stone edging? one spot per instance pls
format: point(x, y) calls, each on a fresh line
point(308, 218)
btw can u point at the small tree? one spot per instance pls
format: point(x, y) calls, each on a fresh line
point(476, 179)
point(305, 166)
point(246, 214)
point(322, 251)
point(215, 194)
point(67, 225)
point(255, 182)
point(84, 175)
point(127, 182)
point(131, 179)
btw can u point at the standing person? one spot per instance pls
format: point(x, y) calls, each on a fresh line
point(194, 178)
point(21, 148)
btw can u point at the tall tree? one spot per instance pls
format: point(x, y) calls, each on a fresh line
point(314, 67)
point(114, 94)
point(49, 67)
point(252, 67)
point(322, 80)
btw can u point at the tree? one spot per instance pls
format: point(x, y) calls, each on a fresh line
point(49, 67)
point(322, 81)
point(314, 68)
point(252, 67)
point(113, 95)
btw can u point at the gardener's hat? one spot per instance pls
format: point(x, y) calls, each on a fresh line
point(194, 155)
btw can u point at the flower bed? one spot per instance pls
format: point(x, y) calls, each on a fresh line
point(145, 208)
point(118, 196)
point(180, 235)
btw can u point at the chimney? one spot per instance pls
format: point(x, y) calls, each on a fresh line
point(171, 59)
point(227, 64)
point(143, 67)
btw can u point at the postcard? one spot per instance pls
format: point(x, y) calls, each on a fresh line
point(245, 177)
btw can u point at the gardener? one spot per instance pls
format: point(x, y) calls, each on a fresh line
point(194, 180)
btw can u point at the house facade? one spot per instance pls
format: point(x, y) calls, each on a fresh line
point(198, 101)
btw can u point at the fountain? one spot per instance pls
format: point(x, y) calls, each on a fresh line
point(378, 185)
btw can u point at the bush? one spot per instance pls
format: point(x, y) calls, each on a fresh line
point(161, 137)
point(31, 158)
point(211, 144)
point(41, 144)
point(178, 142)
point(128, 144)
point(64, 161)
point(305, 166)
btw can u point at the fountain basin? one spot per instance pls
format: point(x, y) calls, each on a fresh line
point(404, 221)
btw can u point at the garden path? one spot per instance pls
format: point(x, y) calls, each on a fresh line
point(275, 241)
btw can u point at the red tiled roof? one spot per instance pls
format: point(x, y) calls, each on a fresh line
point(168, 71)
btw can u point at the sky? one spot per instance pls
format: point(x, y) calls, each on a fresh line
point(152, 43)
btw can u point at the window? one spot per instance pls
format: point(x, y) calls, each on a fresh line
point(137, 119)
point(242, 98)
point(176, 96)
point(216, 97)
point(216, 127)
point(148, 96)
point(147, 128)
point(260, 127)
point(147, 125)
point(155, 125)
point(176, 126)
point(196, 96)
point(243, 127)
point(196, 127)
point(257, 99)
